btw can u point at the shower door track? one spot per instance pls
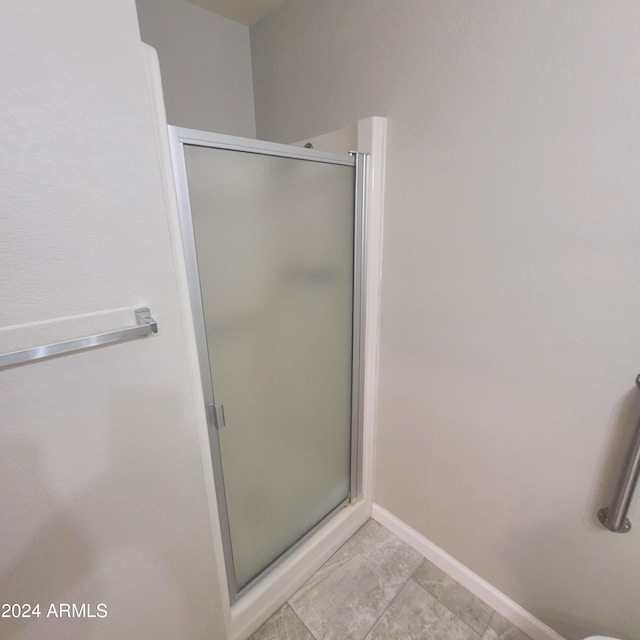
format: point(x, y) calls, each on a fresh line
point(178, 137)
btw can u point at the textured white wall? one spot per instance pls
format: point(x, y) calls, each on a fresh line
point(102, 492)
point(511, 296)
point(205, 61)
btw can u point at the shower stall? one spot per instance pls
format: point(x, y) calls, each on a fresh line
point(274, 242)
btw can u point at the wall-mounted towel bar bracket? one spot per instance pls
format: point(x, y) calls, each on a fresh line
point(615, 518)
point(145, 325)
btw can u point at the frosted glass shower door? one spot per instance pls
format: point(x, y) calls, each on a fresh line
point(274, 238)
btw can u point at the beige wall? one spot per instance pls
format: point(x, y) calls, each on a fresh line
point(206, 66)
point(102, 492)
point(511, 296)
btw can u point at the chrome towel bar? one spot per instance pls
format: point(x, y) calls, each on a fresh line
point(615, 518)
point(145, 325)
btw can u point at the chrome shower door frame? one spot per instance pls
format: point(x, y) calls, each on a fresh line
point(178, 137)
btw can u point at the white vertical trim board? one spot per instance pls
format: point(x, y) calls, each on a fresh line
point(506, 607)
point(162, 140)
point(372, 139)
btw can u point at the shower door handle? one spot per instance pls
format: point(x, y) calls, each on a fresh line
point(215, 415)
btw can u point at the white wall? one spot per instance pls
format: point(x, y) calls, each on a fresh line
point(102, 491)
point(205, 61)
point(510, 309)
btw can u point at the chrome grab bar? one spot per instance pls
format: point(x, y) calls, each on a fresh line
point(145, 325)
point(615, 518)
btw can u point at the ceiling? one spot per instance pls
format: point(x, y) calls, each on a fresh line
point(244, 11)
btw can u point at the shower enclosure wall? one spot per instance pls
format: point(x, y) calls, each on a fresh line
point(274, 244)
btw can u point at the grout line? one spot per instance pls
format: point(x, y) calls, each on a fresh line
point(455, 615)
point(288, 604)
point(493, 613)
point(404, 584)
point(433, 595)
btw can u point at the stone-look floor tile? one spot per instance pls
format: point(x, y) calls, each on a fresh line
point(346, 602)
point(377, 544)
point(350, 592)
point(416, 615)
point(365, 541)
point(501, 629)
point(374, 543)
point(371, 534)
point(282, 625)
point(469, 608)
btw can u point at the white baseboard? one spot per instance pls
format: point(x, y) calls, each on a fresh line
point(497, 600)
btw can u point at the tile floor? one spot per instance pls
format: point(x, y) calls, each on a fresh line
point(376, 587)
